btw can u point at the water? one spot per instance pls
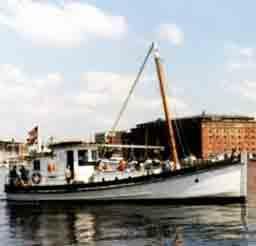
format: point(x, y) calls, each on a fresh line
point(110, 225)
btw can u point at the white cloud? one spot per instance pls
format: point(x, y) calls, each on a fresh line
point(247, 89)
point(241, 65)
point(11, 74)
point(240, 89)
point(234, 50)
point(240, 81)
point(240, 58)
point(91, 100)
point(16, 86)
point(107, 81)
point(247, 52)
point(108, 91)
point(65, 26)
point(171, 33)
point(180, 106)
point(91, 105)
point(55, 77)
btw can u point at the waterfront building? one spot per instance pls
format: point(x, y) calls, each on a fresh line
point(203, 136)
point(10, 150)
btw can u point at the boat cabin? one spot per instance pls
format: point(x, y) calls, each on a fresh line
point(77, 162)
point(74, 160)
point(79, 157)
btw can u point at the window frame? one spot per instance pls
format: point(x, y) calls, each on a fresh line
point(36, 165)
point(85, 158)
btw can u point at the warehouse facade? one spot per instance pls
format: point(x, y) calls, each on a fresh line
point(203, 136)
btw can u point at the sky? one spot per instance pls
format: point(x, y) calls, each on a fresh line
point(67, 65)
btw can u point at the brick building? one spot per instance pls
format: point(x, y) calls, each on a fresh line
point(221, 134)
point(203, 135)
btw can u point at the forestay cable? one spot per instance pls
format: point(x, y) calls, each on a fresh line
point(132, 89)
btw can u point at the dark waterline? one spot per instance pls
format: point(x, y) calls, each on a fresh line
point(60, 224)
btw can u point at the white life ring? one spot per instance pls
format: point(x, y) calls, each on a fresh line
point(36, 178)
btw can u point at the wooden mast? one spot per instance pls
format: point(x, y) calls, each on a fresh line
point(162, 82)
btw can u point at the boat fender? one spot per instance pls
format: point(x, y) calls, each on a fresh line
point(92, 178)
point(51, 167)
point(122, 166)
point(36, 178)
point(68, 174)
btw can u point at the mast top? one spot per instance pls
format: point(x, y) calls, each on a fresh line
point(156, 50)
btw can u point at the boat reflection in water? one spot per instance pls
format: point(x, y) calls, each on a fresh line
point(178, 238)
point(126, 225)
point(251, 215)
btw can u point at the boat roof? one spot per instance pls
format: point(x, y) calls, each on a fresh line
point(71, 144)
point(80, 143)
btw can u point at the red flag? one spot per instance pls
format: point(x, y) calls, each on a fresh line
point(33, 136)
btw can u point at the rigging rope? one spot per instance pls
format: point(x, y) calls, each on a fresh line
point(132, 89)
point(184, 145)
point(175, 122)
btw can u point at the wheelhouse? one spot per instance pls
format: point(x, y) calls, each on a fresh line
point(50, 168)
point(79, 157)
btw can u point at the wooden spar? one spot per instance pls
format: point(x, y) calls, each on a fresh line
point(130, 92)
point(170, 131)
point(131, 146)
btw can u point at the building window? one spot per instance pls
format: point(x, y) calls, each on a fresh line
point(36, 165)
point(94, 155)
point(82, 157)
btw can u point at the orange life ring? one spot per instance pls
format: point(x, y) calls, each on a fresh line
point(36, 178)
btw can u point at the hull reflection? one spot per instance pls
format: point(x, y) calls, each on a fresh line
point(127, 225)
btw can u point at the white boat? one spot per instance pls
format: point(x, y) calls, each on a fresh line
point(223, 181)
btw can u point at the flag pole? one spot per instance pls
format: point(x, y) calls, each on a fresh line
point(39, 140)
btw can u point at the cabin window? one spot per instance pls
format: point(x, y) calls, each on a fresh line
point(36, 165)
point(82, 157)
point(94, 155)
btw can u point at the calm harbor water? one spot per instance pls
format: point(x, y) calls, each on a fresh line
point(107, 225)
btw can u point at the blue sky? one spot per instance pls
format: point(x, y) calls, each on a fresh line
point(67, 65)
